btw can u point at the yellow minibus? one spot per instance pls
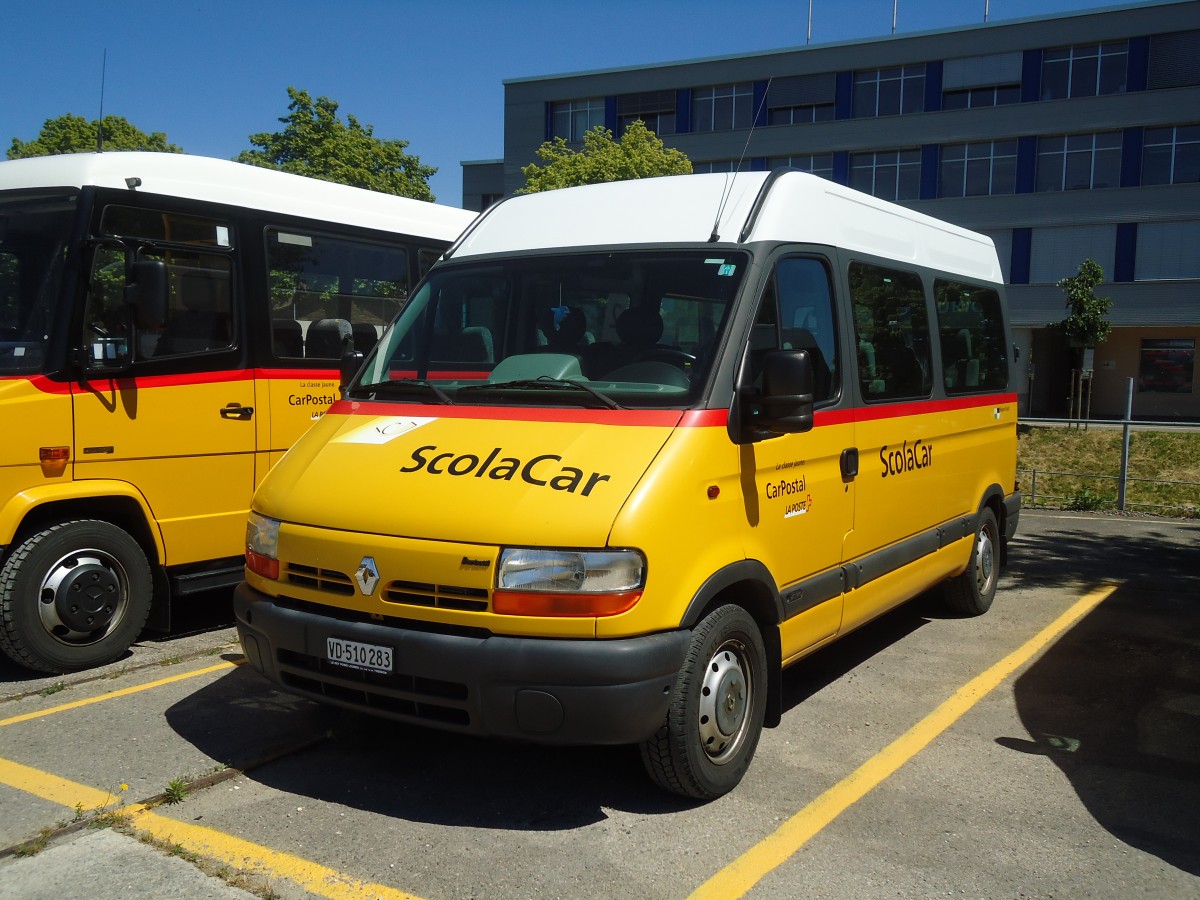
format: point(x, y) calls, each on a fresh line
point(169, 325)
point(631, 450)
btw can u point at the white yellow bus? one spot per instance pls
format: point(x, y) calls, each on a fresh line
point(169, 325)
point(633, 449)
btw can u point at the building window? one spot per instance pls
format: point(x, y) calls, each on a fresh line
point(572, 119)
point(722, 107)
point(800, 115)
point(714, 165)
point(1079, 162)
point(1171, 155)
point(976, 98)
point(889, 175)
point(1085, 71)
point(978, 170)
point(1167, 366)
point(1166, 251)
point(889, 92)
point(820, 164)
point(1056, 251)
point(655, 108)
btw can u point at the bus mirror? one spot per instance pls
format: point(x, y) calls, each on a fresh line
point(784, 404)
point(787, 392)
point(147, 292)
point(348, 367)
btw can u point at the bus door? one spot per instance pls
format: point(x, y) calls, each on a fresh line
point(171, 410)
point(805, 507)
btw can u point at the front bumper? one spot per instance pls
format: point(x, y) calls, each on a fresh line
point(554, 691)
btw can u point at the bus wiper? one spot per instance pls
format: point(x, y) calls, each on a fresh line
point(412, 386)
point(544, 382)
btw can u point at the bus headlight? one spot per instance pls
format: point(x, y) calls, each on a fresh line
point(262, 546)
point(551, 582)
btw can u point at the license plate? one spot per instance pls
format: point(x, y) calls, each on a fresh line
point(371, 657)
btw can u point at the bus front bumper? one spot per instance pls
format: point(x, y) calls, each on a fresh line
point(554, 691)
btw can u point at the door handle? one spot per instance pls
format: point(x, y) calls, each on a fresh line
point(849, 463)
point(236, 411)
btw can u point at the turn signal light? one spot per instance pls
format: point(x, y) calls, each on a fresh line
point(528, 603)
point(262, 565)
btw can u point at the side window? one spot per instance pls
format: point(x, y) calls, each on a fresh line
point(971, 331)
point(891, 328)
point(329, 294)
point(200, 313)
point(807, 321)
point(797, 313)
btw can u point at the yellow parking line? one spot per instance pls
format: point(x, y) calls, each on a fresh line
point(224, 848)
point(752, 866)
point(123, 692)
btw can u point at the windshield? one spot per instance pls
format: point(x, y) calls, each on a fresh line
point(622, 329)
point(33, 242)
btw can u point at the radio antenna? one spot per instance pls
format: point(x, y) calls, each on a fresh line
point(100, 121)
point(725, 194)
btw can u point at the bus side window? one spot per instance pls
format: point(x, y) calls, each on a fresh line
point(891, 324)
point(971, 331)
point(807, 320)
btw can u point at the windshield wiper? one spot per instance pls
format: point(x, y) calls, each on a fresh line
point(544, 382)
point(411, 386)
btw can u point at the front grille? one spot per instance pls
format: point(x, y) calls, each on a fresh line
point(442, 596)
point(396, 694)
point(329, 580)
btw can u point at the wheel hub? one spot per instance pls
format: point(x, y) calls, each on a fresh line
point(82, 597)
point(724, 705)
point(985, 561)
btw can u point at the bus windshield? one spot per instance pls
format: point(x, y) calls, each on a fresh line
point(33, 243)
point(615, 329)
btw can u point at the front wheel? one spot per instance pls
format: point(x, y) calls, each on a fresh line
point(73, 596)
point(971, 593)
point(718, 702)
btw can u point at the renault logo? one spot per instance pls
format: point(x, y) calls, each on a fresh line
point(367, 576)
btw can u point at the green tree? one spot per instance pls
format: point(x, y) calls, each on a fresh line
point(317, 143)
point(75, 134)
point(639, 154)
point(1087, 323)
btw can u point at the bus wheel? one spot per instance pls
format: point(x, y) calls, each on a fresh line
point(73, 596)
point(717, 706)
point(971, 592)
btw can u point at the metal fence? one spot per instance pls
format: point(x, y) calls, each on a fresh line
point(1073, 490)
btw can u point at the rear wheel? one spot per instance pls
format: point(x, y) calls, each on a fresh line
point(971, 593)
point(73, 596)
point(717, 706)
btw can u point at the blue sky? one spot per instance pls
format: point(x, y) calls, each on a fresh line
point(212, 72)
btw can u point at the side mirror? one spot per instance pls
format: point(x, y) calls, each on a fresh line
point(348, 367)
point(784, 403)
point(147, 292)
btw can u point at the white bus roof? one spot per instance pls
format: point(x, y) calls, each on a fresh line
point(237, 184)
point(797, 208)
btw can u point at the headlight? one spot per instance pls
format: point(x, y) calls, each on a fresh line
point(540, 582)
point(262, 546)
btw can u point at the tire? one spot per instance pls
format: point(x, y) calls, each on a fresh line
point(971, 593)
point(715, 717)
point(73, 596)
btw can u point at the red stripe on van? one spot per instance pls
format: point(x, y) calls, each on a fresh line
point(660, 418)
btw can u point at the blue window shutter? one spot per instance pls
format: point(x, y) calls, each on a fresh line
point(683, 111)
point(843, 98)
point(759, 96)
point(1022, 249)
point(610, 115)
point(1031, 76)
point(841, 167)
point(933, 86)
point(549, 121)
point(1139, 64)
point(1126, 255)
point(1131, 156)
point(930, 159)
point(1026, 164)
